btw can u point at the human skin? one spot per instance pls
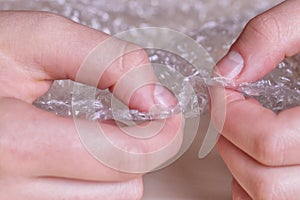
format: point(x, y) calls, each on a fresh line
point(259, 147)
point(41, 155)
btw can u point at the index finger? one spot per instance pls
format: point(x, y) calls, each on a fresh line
point(266, 40)
point(270, 138)
point(50, 47)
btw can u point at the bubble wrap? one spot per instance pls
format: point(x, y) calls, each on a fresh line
point(277, 91)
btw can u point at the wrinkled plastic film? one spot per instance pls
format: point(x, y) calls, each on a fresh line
point(277, 91)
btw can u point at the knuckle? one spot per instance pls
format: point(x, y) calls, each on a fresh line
point(13, 153)
point(265, 26)
point(131, 57)
point(51, 18)
point(269, 189)
point(134, 58)
point(16, 153)
point(43, 23)
point(269, 149)
point(41, 19)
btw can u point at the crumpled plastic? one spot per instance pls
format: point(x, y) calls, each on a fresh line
point(277, 91)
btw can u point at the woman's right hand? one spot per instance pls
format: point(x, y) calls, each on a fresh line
point(261, 148)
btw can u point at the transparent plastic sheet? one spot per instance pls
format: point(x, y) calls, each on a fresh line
point(277, 91)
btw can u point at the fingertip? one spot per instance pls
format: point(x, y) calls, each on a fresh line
point(164, 97)
point(151, 97)
point(230, 66)
point(142, 99)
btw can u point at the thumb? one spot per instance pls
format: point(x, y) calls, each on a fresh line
point(266, 40)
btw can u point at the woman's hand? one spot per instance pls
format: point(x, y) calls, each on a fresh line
point(261, 148)
point(41, 155)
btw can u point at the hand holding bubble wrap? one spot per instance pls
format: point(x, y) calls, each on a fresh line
point(277, 91)
point(280, 90)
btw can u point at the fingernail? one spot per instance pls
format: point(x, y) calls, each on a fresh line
point(231, 65)
point(162, 96)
